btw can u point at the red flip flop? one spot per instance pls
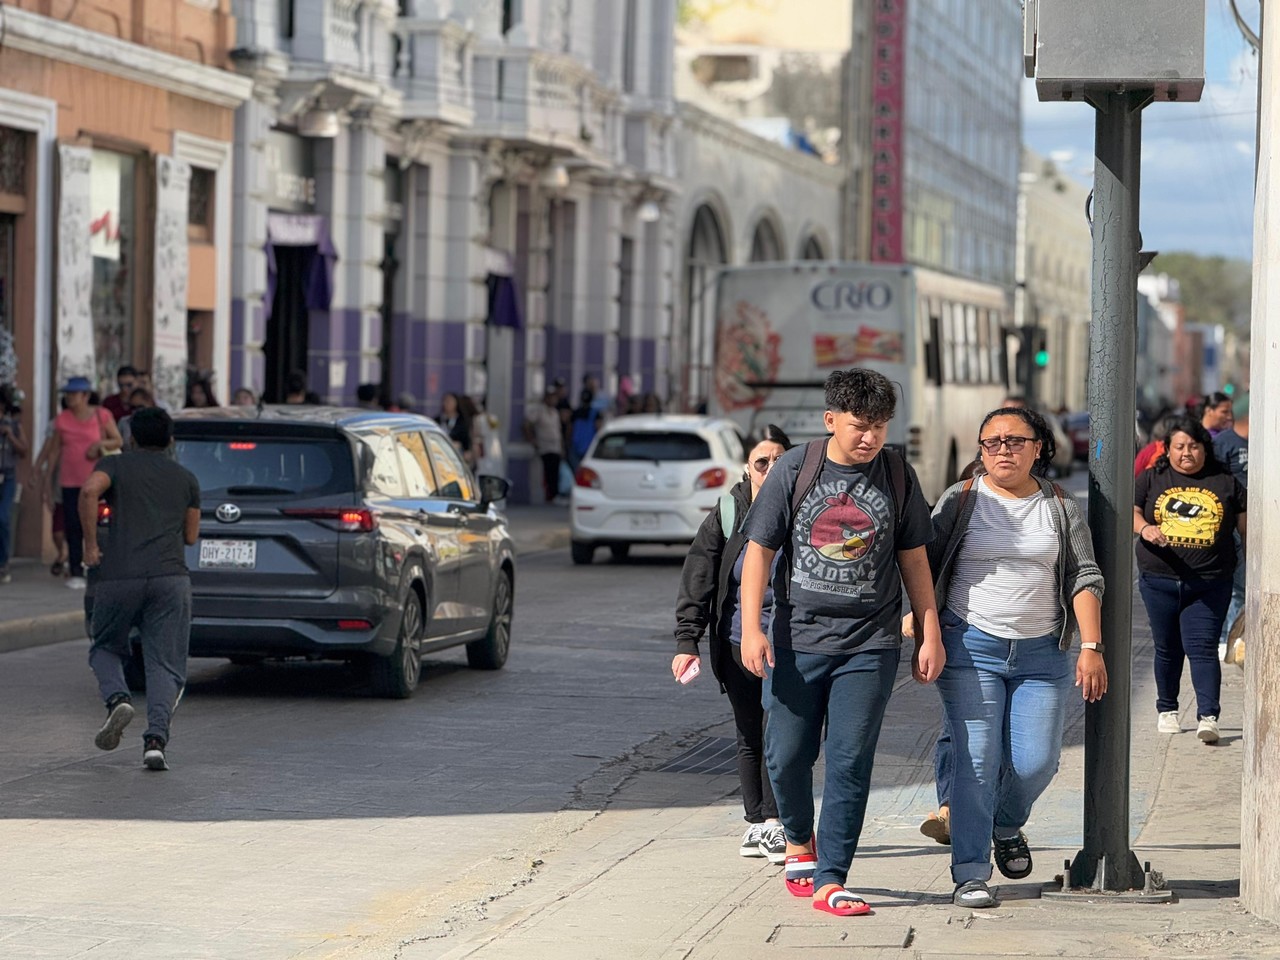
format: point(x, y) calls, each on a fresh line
point(800, 866)
point(842, 903)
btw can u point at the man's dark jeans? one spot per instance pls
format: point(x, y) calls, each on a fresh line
point(1186, 620)
point(160, 607)
point(850, 692)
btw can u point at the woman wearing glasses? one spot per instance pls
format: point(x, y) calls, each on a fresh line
point(1015, 579)
point(709, 602)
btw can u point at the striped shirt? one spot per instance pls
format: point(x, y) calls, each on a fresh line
point(1005, 579)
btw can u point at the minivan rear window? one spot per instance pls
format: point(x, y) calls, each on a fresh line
point(653, 446)
point(269, 466)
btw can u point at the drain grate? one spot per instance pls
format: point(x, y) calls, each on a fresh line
point(712, 756)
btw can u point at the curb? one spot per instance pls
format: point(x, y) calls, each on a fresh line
point(41, 631)
point(53, 628)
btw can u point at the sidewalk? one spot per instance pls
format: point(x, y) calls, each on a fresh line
point(36, 608)
point(656, 873)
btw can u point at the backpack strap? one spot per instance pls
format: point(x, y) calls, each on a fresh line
point(728, 514)
point(965, 492)
point(815, 454)
point(897, 482)
point(1057, 490)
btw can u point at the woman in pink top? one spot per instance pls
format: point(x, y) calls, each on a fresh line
point(82, 434)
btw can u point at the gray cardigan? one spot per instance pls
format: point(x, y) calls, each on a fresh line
point(1076, 568)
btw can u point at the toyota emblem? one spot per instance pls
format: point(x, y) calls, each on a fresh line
point(227, 513)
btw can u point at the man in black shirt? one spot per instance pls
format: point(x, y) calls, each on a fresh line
point(141, 580)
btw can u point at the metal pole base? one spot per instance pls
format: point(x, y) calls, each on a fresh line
point(1151, 890)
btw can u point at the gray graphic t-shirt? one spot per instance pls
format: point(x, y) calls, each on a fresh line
point(845, 589)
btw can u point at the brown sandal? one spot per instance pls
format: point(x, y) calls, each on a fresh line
point(937, 827)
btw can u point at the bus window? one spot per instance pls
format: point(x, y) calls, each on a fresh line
point(930, 329)
point(959, 345)
point(984, 345)
point(972, 345)
point(945, 343)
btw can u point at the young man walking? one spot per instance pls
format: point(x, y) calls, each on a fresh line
point(853, 525)
point(141, 578)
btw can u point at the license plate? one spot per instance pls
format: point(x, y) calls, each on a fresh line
point(644, 521)
point(231, 554)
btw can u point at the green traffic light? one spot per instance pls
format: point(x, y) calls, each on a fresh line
point(1042, 358)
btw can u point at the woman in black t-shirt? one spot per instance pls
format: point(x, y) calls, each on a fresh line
point(1184, 513)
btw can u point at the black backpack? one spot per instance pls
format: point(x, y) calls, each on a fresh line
point(815, 455)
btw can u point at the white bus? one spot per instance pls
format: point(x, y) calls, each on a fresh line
point(781, 328)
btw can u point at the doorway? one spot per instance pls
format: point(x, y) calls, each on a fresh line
point(288, 330)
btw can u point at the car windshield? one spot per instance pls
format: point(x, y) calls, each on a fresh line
point(268, 467)
point(652, 445)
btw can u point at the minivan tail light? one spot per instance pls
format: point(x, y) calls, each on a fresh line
point(710, 479)
point(586, 477)
point(346, 519)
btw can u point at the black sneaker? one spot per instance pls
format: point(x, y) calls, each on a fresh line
point(153, 754)
point(119, 713)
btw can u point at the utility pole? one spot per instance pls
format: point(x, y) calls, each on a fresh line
point(1112, 56)
point(1106, 862)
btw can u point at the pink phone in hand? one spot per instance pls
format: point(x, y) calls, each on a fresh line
point(690, 673)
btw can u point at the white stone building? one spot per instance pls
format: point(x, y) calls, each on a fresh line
point(480, 197)
point(1054, 264)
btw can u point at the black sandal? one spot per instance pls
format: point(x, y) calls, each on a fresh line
point(973, 893)
point(1014, 848)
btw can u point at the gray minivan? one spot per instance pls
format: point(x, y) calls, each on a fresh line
point(329, 533)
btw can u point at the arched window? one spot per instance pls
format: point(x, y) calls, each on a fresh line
point(705, 255)
point(812, 249)
point(765, 246)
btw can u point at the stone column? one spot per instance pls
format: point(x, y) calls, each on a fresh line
point(248, 242)
point(1260, 796)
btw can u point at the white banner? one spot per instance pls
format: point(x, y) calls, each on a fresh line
point(169, 369)
point(75, 265)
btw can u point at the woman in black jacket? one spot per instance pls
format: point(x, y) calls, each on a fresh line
point(709, 601)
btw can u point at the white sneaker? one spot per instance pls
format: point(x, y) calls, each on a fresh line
point(1208, 729)
point(1168, 722)
point(77, 583)
point(750, 846)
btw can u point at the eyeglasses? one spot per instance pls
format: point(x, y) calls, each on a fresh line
point(1015, 444)
point(762, 464)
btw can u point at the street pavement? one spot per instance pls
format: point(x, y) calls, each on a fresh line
point(523, 813)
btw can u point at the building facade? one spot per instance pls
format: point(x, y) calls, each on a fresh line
point(1054, 264)
point(116, 129)
point(945, 134)
point(446, 196)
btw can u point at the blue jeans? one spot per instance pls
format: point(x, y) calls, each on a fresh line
point(944, 764)
point(1237, 592)
point(7, 489)
point(1006, 702)
point(801, 691)
point(1186, 619)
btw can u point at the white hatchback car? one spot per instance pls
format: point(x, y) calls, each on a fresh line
point(651, 479)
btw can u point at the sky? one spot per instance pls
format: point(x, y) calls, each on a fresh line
point(1197, 159)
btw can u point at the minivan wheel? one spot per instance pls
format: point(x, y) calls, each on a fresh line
point(395, 677)
point(582, 552)
point(490, 653)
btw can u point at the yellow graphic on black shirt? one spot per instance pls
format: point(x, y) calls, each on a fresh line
point(1189, 517)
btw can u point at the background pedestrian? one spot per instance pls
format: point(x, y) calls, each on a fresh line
point(710, 602)
point(141, 578)
point(1185, 510)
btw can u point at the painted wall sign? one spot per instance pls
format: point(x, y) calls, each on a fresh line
point(169, 368)
point(75, 264)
